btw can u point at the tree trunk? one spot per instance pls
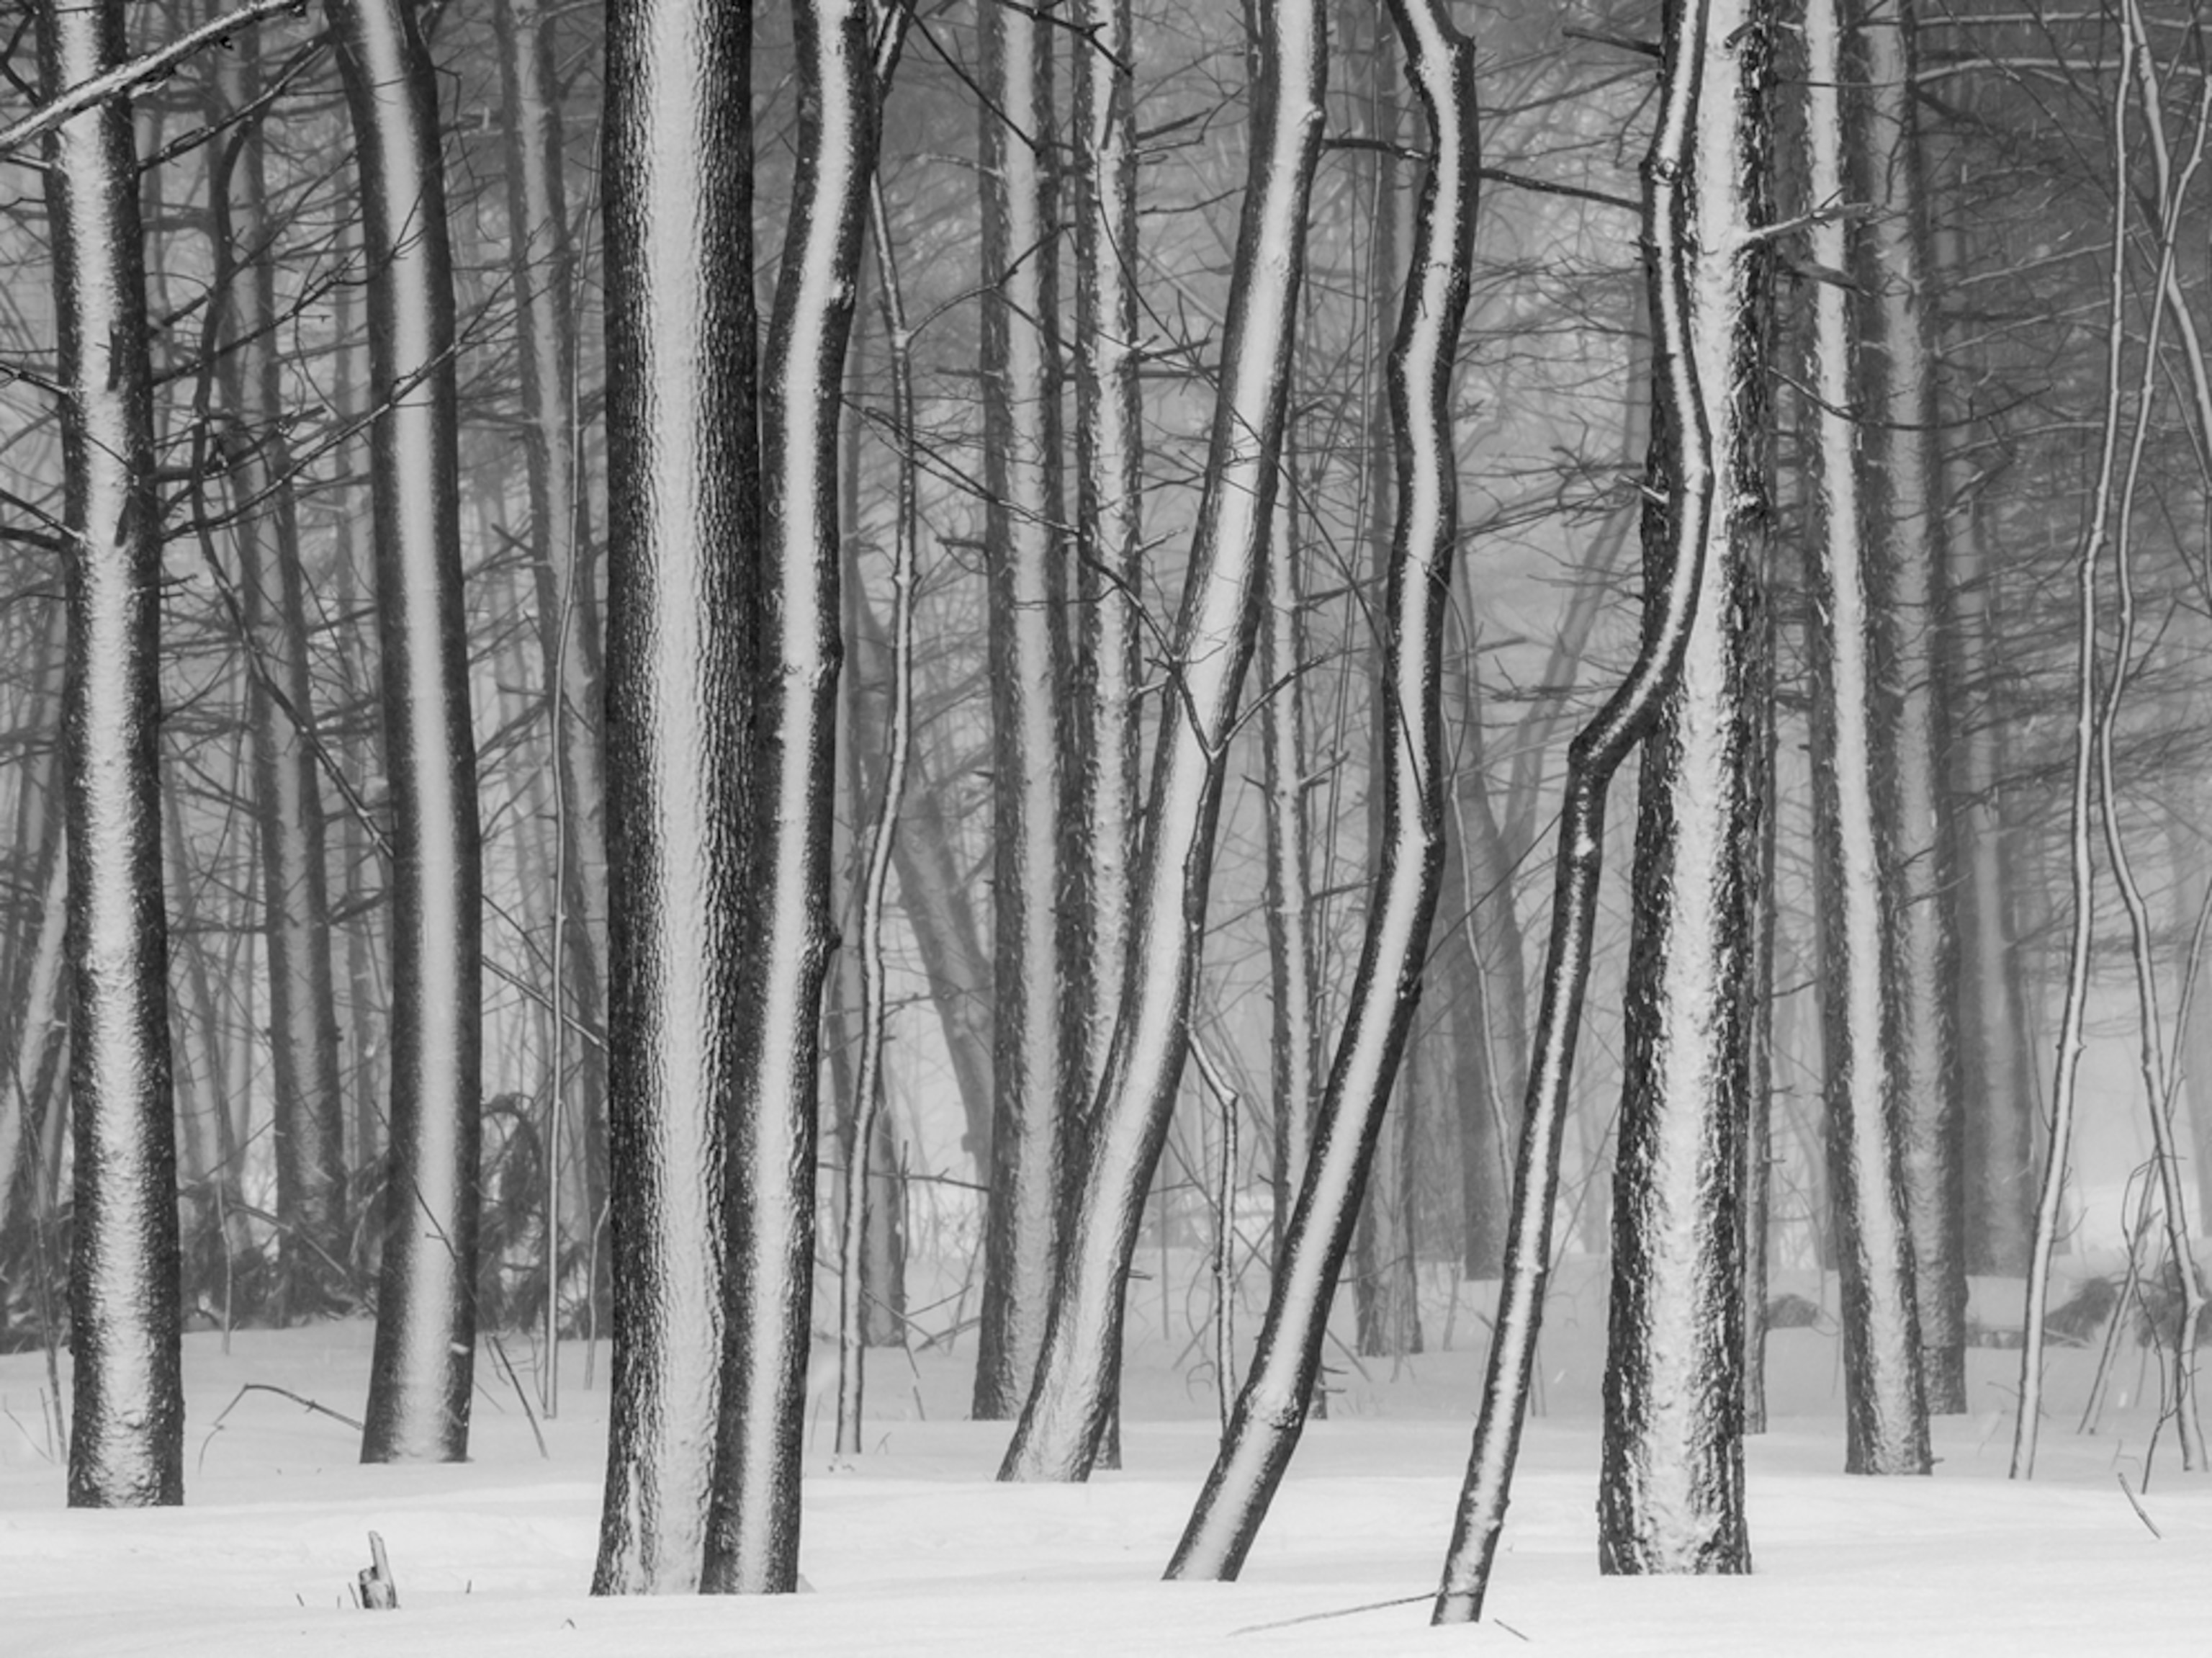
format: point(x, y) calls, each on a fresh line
point(1037, 1066)
point(1678, 505)
point(682, 550)
point(307, 1101)
point(933, 895)
point(422, 1376)
point(752, 1533)
point(1670, 1492)
point(1905, 546)
point(126, 1447)
point(1270, 1412)
point(1069, 1405)
point(1884, 1411)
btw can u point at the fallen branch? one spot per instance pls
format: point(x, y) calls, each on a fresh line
point(2137, 1506)
point(271, 1388)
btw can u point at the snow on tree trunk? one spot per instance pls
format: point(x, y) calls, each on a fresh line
point(1670, 1490)
point(308, 1100)
point(541, 270)
point(1037, 1066)
point(682, 491)
point(1271, 1409)
point(1110, 495)
point(126, 1443)
point(1068, 1406)
point(1683, 468)
point(1756, 1206)
point(1905, 544)
point(421, 1377)
point(752, 1541)
point(1885, 1413)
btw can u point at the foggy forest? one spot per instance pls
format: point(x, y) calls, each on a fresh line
point(1393, 803)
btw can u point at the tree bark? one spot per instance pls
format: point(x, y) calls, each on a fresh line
point(682, 547)
point(1670, 1491)
point(126, 1446)
point(1271, 1409)
point(422, 1375)
point(1037, 1066)
point(1885, 1410)
point(1905, 541)
point(752, 1534)
point(1069, 1405)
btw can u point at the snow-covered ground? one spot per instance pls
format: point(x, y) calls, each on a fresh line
point(915, 1549)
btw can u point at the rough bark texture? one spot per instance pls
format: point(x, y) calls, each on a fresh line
point(421, 1377)
point(1069, 1406)
point(1906, 542)
point(1271, 1409)
point(1670, 1491)
point(1684, 471)
point(308, 1101)
point(1885, 1413)
point(683, 542)
point(126, 1440)
point(1037, 1064)
point(752, 1541)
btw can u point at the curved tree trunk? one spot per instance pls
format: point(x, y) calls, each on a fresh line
point(752, 1534)
point(308, 1102)
point(126, 1444)
point(1068, 1406)
point(1037, 1069)
point(1271, 1410)
point(422, 1373)
point(681, 549)
point(1884, 1411)
point(1670, 1492)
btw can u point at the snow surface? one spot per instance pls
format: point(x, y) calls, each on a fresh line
point(915, 1549)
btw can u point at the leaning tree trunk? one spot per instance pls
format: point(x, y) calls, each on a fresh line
point(752, 1538)
point(1905, 543)
point(541, 270)
point(1670, 1492)
point(1678, 506)
point(1037, 1067)
point(307, 1104)
point(1884, 1414)
point(422, 1371)
point(682, 543)
point(1068, 1406)
point(126, 1446)
point(1271, 1410)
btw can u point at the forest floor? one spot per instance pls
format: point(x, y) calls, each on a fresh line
point(913, 1549)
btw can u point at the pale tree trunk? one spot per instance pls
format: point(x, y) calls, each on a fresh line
point(752, 1532)
point(1670, 1488)
point(35, 1029)
point(1293, 984)
point(1679, 506)
point(1037, 1066)
point(1109, 484)
point(933, 895)
point(1271, 1410)
point(308, 1101)
point(1068, 1407)
point(541, 269)
point(126, 1443)
point(683, 530)
point(1906, 546)
point(2196, 1037)
point(1885, 1412)
point(422, 1375)
point(1756, 1206)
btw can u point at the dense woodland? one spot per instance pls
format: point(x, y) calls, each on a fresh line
point(720, 675)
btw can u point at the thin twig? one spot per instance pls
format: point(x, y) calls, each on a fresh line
point(2120, 1476)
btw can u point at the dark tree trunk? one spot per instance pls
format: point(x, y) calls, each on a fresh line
point(422, 1373)
point(308, 1102)
point(1270, 1412)
point(126, 1444)
point(682, 550)
point(1885, 1410)
point(1071, 1400)
point(1037, 1064)
point(752, 1536)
